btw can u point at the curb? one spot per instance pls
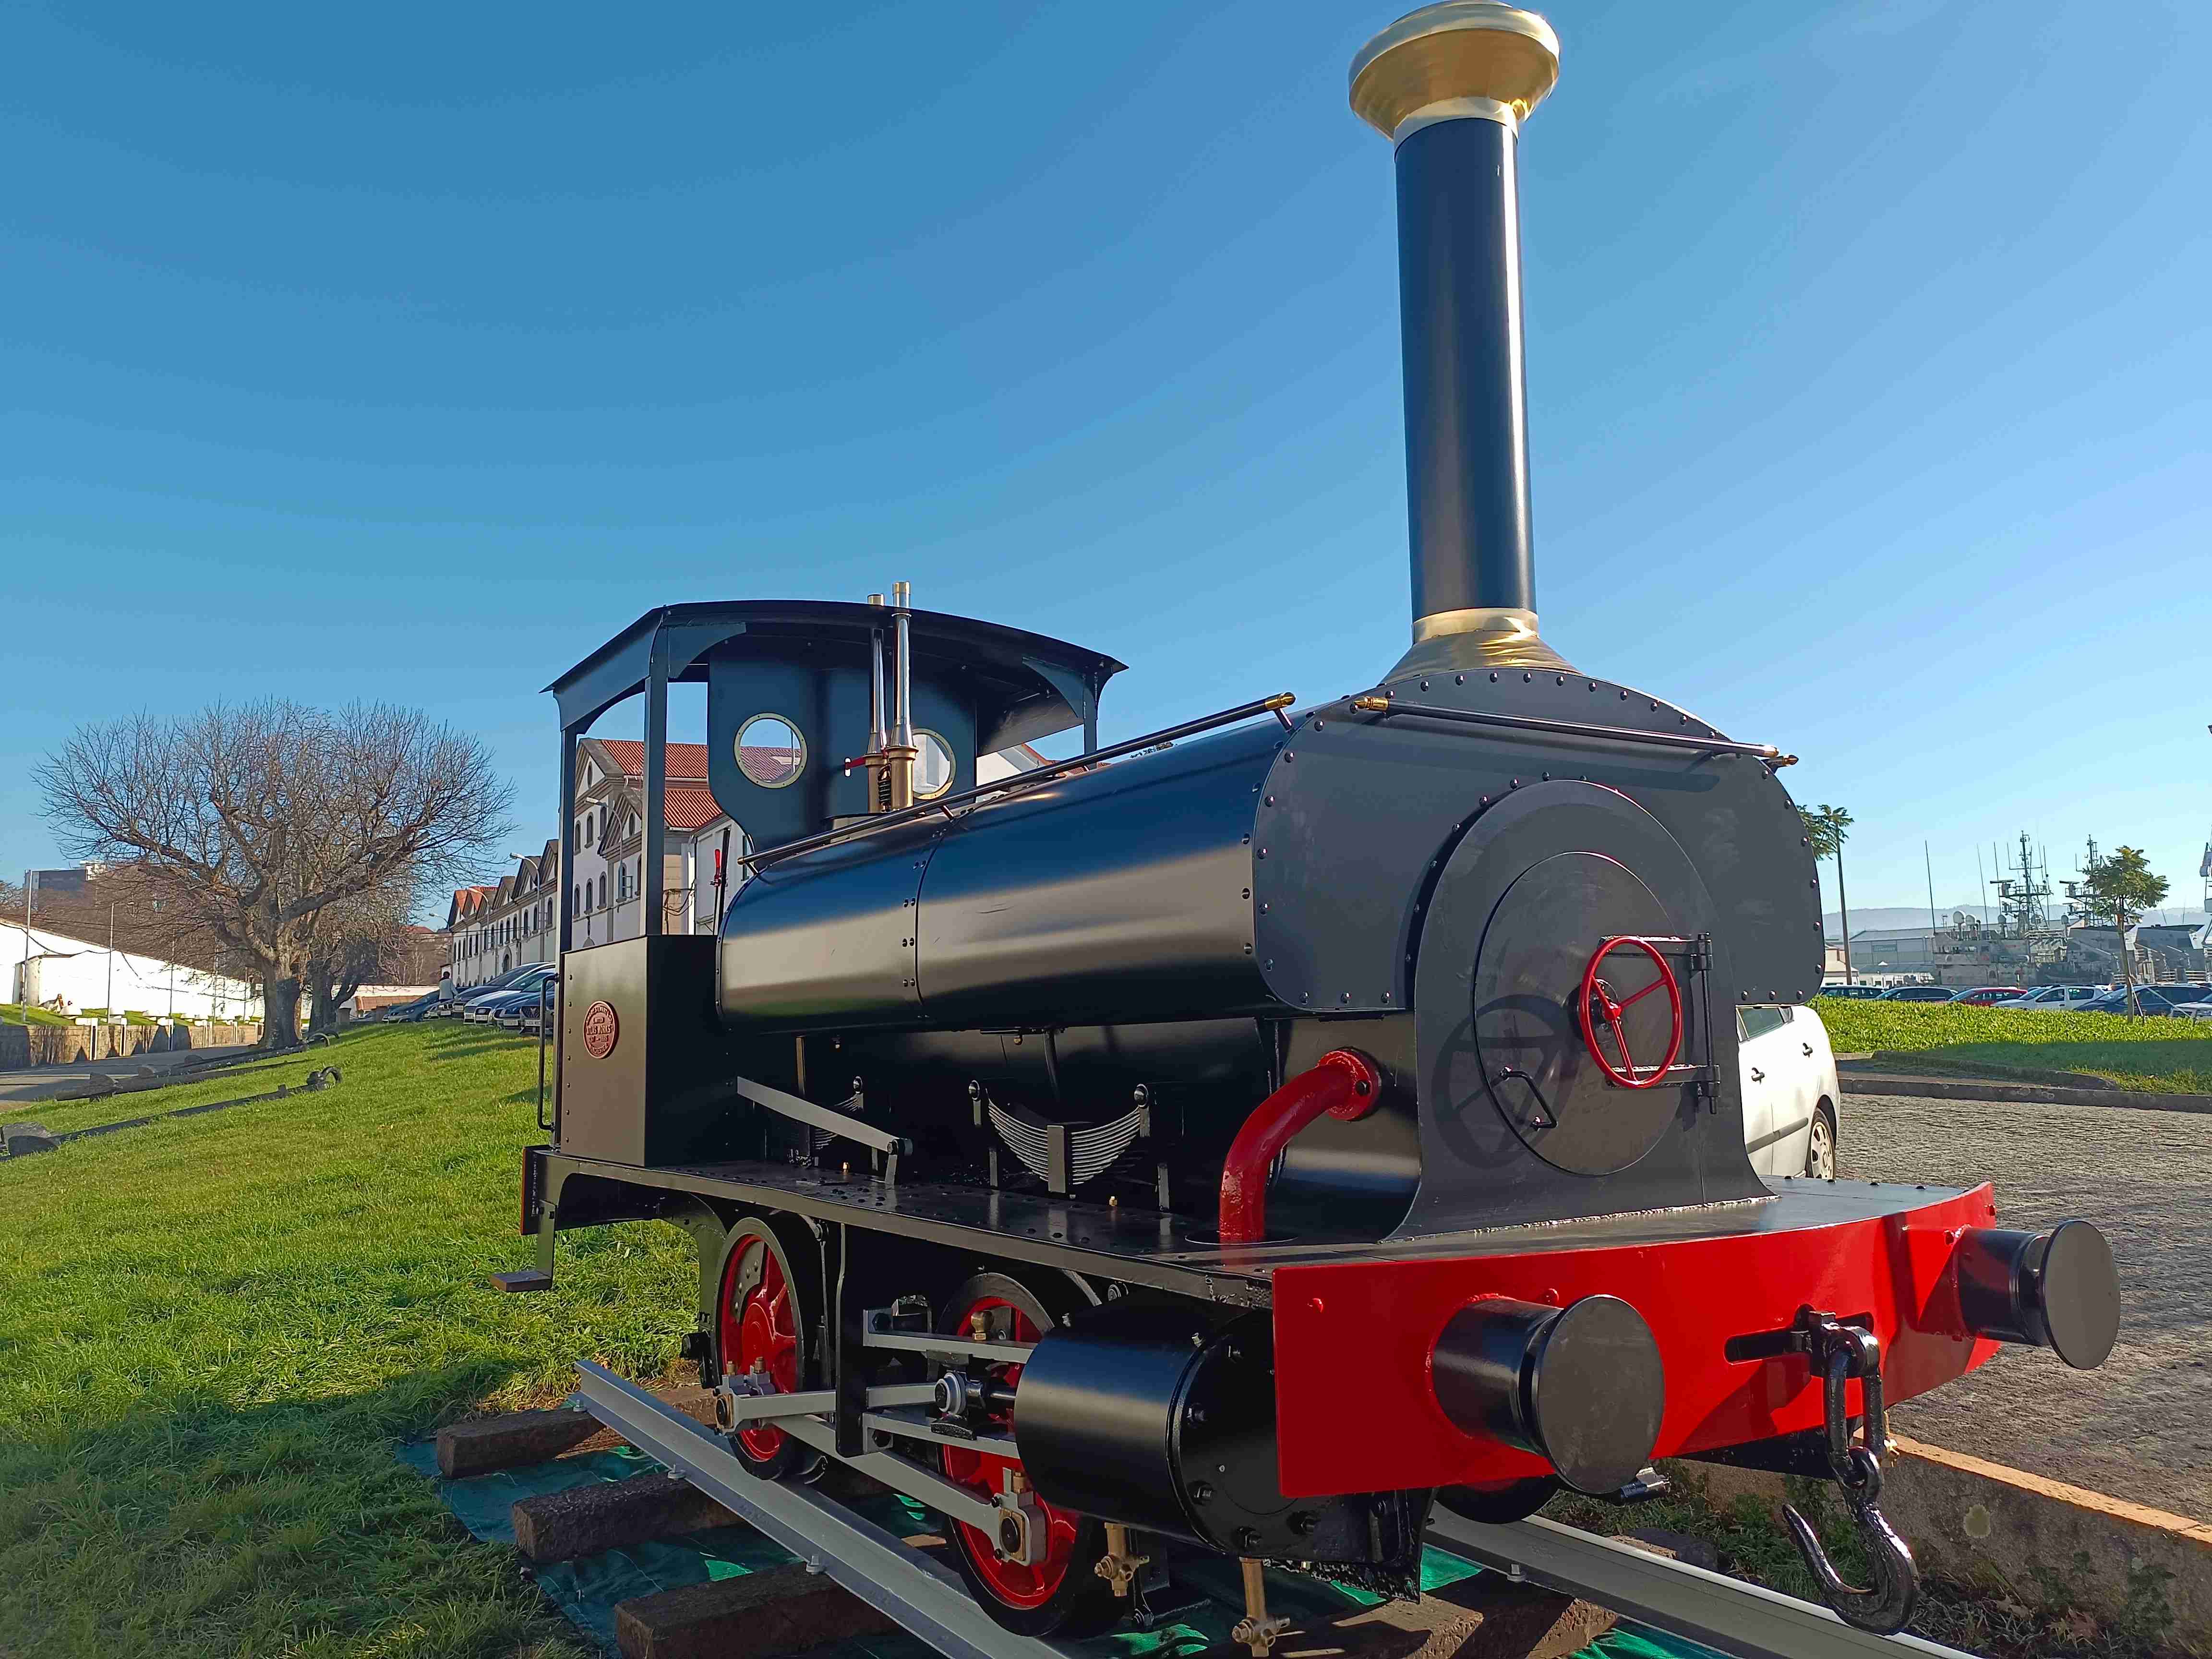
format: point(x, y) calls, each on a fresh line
point(1934, 1088)
point(2050, 1543)
point(22, 1138)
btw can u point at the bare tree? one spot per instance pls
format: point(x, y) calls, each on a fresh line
point(358, 941)
point(254, 821)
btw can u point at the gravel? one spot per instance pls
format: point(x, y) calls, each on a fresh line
point(2139, 1428)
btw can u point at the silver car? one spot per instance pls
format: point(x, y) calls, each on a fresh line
point(2053, 998)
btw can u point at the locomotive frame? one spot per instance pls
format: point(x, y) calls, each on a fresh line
point(1172, 1141)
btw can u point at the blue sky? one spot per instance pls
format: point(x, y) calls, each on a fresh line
point(408, 355)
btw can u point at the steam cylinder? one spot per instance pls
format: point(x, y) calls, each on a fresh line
point(1149, 1416)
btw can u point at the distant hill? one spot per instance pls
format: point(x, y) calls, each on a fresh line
point(1911, 916)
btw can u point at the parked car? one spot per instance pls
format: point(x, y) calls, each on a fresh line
point(1789, 1090)
point(510, 980)
point(474, 1008)
point(486, 1009)
point(1917, 994)
point(529, 1015)
point(2053, 998)
point(517, 1010)
point(1984, 996)
point(2162, 999)
point(407, 1012)
point(507, 1009)
point(1858, 993)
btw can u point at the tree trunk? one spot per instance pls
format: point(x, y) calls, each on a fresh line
point(280, 1012)
point(322, 1013)
point(344, 986)
point(1844, 903)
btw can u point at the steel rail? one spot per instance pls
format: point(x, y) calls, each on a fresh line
point(868, 1560)
point(1385, 705)
point(1747, 1620)
point(1732, 1617)
point(1019, 781)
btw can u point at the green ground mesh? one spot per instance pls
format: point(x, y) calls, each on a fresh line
point(587, 1590)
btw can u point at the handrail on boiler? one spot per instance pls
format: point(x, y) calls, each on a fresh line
point(1384, 704)
point(1021, 780)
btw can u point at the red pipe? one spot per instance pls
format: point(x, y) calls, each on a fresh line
point(1346, 1083)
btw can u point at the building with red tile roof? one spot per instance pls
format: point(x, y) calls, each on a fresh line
point(495, 928)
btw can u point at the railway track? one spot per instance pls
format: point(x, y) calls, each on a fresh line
point(1723, 1614)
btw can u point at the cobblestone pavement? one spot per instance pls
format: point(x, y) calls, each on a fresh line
point(2141, 1427)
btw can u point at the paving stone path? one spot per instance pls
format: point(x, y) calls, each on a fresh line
point(2141, 1427)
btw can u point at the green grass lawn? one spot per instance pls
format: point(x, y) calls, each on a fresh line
point(14, 1013)
point(2154, 1054)
point(215, 1330)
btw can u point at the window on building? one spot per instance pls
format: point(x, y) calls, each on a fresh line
point(602, 890)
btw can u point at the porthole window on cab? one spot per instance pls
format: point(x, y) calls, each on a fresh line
point(771, 751)
point(932, 765)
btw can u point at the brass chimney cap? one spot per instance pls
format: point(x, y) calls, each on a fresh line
point(1477, 50)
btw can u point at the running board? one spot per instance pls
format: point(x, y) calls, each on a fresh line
point(1724, 1613)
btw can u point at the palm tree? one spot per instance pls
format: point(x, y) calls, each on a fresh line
point(1826, 828)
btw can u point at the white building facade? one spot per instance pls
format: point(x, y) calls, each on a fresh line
point(493, 930)
point(44, 969)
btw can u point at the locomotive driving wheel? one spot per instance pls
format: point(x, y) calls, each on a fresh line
point(759, 1332)
point(1062, 1595)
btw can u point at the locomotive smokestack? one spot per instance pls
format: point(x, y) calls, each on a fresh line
point(1450, 85)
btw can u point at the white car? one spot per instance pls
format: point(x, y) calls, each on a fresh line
point(2051, 998)
point(1789, 1090)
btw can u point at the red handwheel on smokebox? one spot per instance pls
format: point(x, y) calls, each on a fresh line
point(1599, 1008)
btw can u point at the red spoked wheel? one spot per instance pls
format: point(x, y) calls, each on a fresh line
point(1062, 1595)
point(759, 1332)
point(1599, 1007)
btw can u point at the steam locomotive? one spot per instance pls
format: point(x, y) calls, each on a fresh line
point(1253, 1134)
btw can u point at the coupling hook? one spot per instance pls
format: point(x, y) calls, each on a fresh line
point(1840, 1352)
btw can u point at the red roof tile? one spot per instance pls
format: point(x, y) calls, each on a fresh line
point(686, 760)
point(690, 808)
